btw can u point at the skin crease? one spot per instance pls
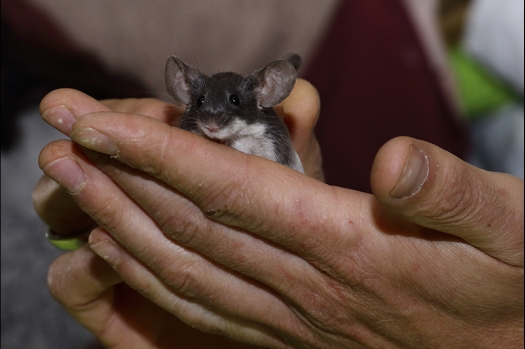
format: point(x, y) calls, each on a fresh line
point(257, 252)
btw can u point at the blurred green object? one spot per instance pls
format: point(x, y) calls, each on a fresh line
point(67, 243)
point(480, 92)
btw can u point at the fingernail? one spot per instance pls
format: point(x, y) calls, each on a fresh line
point(107, 251)
point(60, 118)
point(414, 174)
point(94, 140)
point(67, 173)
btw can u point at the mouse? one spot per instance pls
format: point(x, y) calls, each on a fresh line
point(237, 110)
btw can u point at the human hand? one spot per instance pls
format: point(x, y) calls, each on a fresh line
point(318, 265)
point(58, 209)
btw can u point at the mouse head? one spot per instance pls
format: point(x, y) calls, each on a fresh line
point(220, 106)
point(268, 86)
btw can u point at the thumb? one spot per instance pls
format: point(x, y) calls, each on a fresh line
point(300, 111)
point(426, 185)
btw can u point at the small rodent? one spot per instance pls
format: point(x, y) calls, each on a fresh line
point(237, 110)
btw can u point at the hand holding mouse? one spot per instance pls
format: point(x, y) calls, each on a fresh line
point(267, 256)
point(56, 207)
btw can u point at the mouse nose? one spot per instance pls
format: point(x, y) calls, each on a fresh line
point(211, 126)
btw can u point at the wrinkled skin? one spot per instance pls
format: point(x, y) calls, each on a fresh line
point(195, 233)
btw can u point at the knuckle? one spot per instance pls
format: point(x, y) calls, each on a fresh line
point(323, 310)
point(184, 225)
point(185, 280)
point(145, 286)
point(108, 213)
point(345, 281)
point(202, 322)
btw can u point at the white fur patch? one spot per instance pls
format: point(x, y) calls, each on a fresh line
point(251, 139)
point(297, 165)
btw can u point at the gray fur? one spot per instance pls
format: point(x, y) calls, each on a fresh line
point(235, 110)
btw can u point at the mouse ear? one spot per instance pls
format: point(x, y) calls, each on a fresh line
point(293, 58)
point(276, 81)
point(178, 77)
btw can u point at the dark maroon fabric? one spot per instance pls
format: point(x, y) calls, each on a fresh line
point(375, 84)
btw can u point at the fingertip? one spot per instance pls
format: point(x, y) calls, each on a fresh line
point(77, 102)
point(448, 195)
point(55, 150)
point(300, 112)
point(49, 100)
point(54, 205)
point(304, 101)
point(57, 98)
point(412, 175)
point(79, 277)
point(304, 87)
point(388, 166)
point(104, 246)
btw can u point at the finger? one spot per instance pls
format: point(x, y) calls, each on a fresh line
point(86, 286)
point(80, 277)
point(432, 188)
point(58, 210)
point(194, 314)
point(300, 112)
point(246, 193)
point(191, 276)
point(61, 107)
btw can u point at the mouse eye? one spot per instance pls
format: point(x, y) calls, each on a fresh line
point(235, 100)
point(200, 101)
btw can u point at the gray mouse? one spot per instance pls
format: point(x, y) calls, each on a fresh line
point(237, 110)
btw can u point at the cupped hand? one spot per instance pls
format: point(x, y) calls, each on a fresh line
point(79, 274)
point(61, 107)
point(247, 248)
